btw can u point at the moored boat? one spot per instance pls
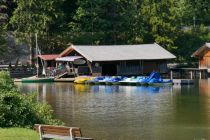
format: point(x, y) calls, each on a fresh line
point(132, 80)
point(160, 82)
point(37, 80)
point(82, 79)
point(95, 80)
point(106, 79)
point(114, 80)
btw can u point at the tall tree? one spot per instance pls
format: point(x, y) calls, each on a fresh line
point(3, 20)
point(34, 16)
point(161, 21)
point(107, 22)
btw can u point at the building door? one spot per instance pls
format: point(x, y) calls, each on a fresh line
point(109, 69)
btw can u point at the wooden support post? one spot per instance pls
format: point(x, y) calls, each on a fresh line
point(171, 75)
point(191, 75)
point(90, 67)
point(200, 75)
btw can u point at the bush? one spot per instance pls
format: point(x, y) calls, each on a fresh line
point(6, 83)
point(19, 110)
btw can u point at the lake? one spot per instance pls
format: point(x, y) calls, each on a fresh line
point(130, 112)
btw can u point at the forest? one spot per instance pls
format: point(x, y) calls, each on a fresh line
point(180, 26)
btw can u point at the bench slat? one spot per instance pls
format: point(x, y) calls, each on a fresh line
point(56, 136)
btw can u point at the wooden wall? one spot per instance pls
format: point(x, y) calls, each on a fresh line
point(134, 67)
point(204, 62)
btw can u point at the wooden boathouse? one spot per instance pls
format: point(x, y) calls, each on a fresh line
point(203, 55)
point(119, 59)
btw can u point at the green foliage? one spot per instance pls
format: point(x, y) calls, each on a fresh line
point(189, 41)
point(3, 19)
point(6, 83)
point(159, 15)
point(174, 24)
point(107, 22)
point(35, 16)
point(19, 110)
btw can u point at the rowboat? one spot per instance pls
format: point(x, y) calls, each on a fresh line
point(37, 80)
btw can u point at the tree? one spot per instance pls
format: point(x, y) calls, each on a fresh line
point(161, 21)
point(107, 22)
point(3, 19)
point(34, 16)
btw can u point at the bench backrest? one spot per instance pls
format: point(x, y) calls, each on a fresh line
point(59, 130)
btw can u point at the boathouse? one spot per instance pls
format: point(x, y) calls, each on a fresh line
point(119, 59)
point(203, 55)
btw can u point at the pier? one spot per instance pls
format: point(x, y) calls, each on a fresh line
point(188, 73)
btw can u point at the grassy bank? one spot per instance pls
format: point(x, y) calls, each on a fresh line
point(18, 134)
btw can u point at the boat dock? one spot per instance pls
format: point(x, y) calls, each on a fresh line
point(64, 80)
point(190, 73)
point(17, 80)
point(183, 81)
point(175, 81)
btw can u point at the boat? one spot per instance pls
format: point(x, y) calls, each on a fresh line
point(131, 81)
point(95, 80)
point(114, 80)
point(144, 81)
point(37, 80)
point(155, 82)
point(106, 79)
point(82, 79)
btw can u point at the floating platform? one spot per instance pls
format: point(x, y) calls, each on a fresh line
point(64, 80)
point(17, 80)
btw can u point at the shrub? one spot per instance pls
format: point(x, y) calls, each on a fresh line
point(6, 83)
point(20, 110)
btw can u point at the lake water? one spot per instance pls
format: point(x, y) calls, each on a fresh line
point(130, 112)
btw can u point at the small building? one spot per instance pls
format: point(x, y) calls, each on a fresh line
point(48, 59)
point(203, 55)
point(120, 59)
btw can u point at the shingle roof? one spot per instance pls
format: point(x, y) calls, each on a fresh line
point(123, 52)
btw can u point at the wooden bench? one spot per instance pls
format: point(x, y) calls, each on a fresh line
point(59, 132)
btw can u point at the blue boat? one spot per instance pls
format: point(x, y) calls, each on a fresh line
point(132, 80)
point(155, 79)
point(114, 80)
point(103, 81)
point(160, 82)
point(96, 80)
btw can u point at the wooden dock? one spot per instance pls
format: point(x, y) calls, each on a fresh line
point(183, 81)
point(64, 80)
point(17, 80)
point(191, 73)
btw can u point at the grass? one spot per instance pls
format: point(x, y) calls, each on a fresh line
point(18, 134)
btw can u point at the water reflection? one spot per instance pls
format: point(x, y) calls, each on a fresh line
point(121, 112)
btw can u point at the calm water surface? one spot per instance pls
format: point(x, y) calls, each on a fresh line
point(130, 112)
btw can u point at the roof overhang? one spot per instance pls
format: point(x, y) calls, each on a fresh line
point(68, 58)
point(48, 57)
